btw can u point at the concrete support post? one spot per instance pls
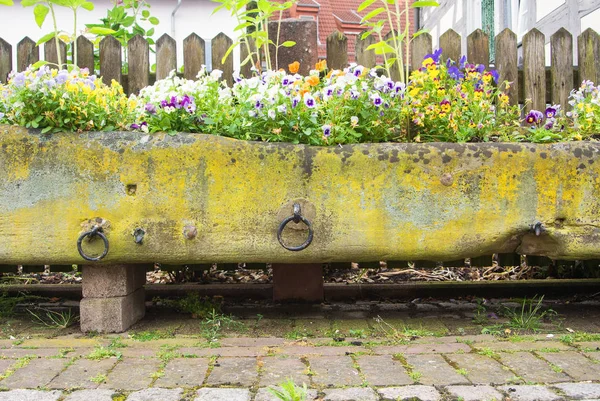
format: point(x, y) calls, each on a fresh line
point(298, 282)
point(113, 297)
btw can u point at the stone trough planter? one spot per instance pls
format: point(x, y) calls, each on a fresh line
point(192, 198)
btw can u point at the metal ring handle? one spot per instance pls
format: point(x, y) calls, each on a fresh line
point(296, 218)
point(96, 231)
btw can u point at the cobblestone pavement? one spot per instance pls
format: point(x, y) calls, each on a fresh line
point(465, 368)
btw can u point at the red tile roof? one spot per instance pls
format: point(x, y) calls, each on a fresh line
point(340, 15)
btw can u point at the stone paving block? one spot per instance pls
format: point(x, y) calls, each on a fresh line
point(224, 351)
point(532, 368)
point(265, 395)
point(574, 364)
point(324, 351)
point(5, 364)
point(404, 393)
point(442, 348)
point(481, 369)
point(38, 373)
point(234, 372)
point(21, 352)
point(80, 373)
point(351, 394)
point(252, 342)
point(435, 370)
point(156, 394)
point(475, 393)
point(530, 393)
point(222, 394)
point(589, 346)
point(183, 372)
point(383, 370)
point(91, 395)
point(334, 371)
point(63, 342)
point(276, 369)
point(131, 374)
point(523, 346)
point(580, 391)
point(29, 395)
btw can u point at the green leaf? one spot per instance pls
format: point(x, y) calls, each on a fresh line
point(288, 43)
point(29, 3)
point(40, 11)
point(373, 13)
point(150, 32)
point(45, 38)
point(153, 20)
point(46, 130)
point(420, 32)
point(97, 30)
point(6, 2)
point(424, 3)
point(39, 64)
point(364, 5)
point(87, 5)
point(233, 45)
point(145, 13)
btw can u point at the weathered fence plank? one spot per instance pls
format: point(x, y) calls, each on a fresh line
point(220, 44)
point(561, 71)
point(589, 56)
point(85, 53)
point(534, 70)
point(395, 68)
point(422, 45)
point(193, 56)
point(5, 60)
point(306, 50)
point(337, 51)
point(246, 69)
point(166, 56)
point(364, 57)
point(50, 52)
point(478, 48)
point(138, 63)
point(506, 62)
point(450, 45)
point(110, 60)
point(27, 53)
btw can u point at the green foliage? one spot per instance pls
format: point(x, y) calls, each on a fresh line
point(55, 101)
point(395, 47)
point(151, 335)
point(99, 378)
point(8, 303)
point(253, 18)
point(101, 352)
point(289, 391)
point(49, 318)
point(530, 316)
point(199, 307)
point(212, 326)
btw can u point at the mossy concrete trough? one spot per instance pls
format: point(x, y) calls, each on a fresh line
point(206, 199)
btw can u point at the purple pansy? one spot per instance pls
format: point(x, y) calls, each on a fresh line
point(551, 112)
point(376, 100)
point(326, 131)
point(309, 101)
point(534, 117)
point(435, 56)
point(150, 108)
point(455, 73)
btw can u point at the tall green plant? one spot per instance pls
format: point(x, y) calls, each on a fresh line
point(41, 8)
point(396, 48)
point(6, 2)
point(253, 28)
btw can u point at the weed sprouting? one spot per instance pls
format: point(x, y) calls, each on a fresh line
point(55, 319)
point(290, 391)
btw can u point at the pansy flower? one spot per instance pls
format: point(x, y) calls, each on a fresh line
point(534, 117)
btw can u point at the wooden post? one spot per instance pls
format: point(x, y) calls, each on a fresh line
point(337, 51)
point(138, 51)
point(365, 57)
point(298, 282)
point(5, 60)
point(193, 56)
point(450, 44)
point(50, 52)
point(506, 62)
point(85, 54)
point(27, 53)
point(534, 70)
point(395, 68)
point(110, 60)
point(422, 45)
point(220, 44)
point(478, 48)
point(246, 69)
point(166, 56)
point(561, 72)
point(588, 49)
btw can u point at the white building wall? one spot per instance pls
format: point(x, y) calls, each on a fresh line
point(194, 16)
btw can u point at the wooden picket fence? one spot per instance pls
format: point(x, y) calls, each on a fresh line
point(532, 80)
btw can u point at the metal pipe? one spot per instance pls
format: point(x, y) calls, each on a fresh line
point(173, 18)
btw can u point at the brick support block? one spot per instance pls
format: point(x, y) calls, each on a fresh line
point(298, 282)
point(113, 297)
point(112, 315)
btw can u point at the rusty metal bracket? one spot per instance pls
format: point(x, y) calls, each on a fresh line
point(296, 217)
